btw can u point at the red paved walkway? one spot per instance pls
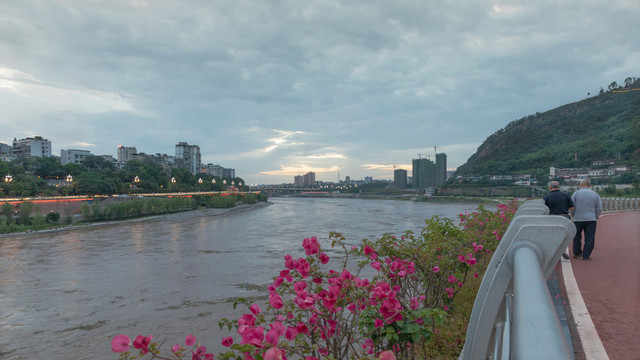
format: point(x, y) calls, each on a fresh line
point(610, 284)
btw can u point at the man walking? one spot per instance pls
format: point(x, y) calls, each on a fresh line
point(588, 208)
point(559, 203)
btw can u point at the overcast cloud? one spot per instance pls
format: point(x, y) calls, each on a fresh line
point(278, 88)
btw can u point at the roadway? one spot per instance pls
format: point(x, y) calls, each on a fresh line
point(609, 286)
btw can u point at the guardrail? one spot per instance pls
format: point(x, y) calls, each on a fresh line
point(513, 315)
point(620, 204)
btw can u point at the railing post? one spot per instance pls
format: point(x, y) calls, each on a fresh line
point(537, 333)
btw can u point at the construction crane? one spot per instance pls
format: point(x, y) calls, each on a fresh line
point(435, 149)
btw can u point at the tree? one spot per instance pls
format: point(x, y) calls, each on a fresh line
point(52, 217)
point(613, 86)
point(7, 211)
point(37, 220)
point(25, 210)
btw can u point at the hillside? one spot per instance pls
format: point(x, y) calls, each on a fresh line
point(604, 126)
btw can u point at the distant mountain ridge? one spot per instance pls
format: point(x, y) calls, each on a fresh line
point(605, 126)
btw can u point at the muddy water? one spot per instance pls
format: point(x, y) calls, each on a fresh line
point(65, 295)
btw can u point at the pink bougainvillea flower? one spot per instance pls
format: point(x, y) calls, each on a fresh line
point(446, 308)
point(376, 265)
point(200, 353)
point(190, 340)
point(275, 300)
point(255, 309)
point(302, 328)
point(387, 355)
point(324, 258)
point(460, 283)
point(354, 248)
point(373, 256)
point(475, 275)
point(142, 343)
point(368, 250)
point(379, 323)
point(227, 341)
point(436, 269)
point(274, 354)
point(290, 333)
point(120, 343)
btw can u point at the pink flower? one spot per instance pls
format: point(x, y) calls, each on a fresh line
point(142, 343)
point(190, 340)
point(302, 328)
point(368, 250)
point(376, 265)
point(291, 333)
point(274, 354)
point(460, 283)
point(373, 256)
point(387, 355)
point(475, 275)
point(255, 309)
point(299, 286)
point(253, 336)
point(379, 323)
point(120, 343)
point(176, 348)
point(199, 353)
point(228, 341)
point(449, 291)
point(446, 308)
point(275, 300)
point(436, 269)
point(311, 246)
point(354, 248)
point(324, 258)
point(452, 279)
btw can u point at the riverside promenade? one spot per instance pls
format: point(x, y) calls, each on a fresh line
point(604, 294)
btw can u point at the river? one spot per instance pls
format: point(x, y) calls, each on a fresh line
point(66, 294)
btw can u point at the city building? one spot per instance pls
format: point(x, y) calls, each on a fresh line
point(308, 179)
point(426, 173)
point(218, 171)
point(187, 157)
point(440, 177)
point(31, 146)
point(126, 153)
point(73, 156)
point(368, 179)
point(400, 179)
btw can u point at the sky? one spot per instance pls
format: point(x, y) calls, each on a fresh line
point(276, 89)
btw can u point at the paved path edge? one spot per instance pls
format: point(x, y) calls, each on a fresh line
point(591, 343)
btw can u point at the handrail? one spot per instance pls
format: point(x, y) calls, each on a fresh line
point(525, 257)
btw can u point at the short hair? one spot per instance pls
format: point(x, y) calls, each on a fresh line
point(554, 184)
point(585, 182)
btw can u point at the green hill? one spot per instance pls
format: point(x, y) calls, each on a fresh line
point(606, 126)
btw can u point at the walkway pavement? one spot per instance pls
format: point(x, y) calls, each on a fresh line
point(610, 288)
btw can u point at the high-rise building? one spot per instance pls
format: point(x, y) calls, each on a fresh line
point(441, 169)
point(426, 173)
point(298, 181)
point(309, 179)
point(72, 156)
point(188, 157)
point(31, 146)
point(422, 173)
point(400, 179)
point(126, 153)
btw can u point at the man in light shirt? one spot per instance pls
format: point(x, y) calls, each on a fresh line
point(587, 209)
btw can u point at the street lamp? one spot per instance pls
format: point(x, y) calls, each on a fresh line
point(213, 181)
point(224, 182)
point(173, 180)
point(200, 181)
point(69, 178)
point(136, 179)
point(8, 178)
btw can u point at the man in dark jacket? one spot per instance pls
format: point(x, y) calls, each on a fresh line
point(559, 203)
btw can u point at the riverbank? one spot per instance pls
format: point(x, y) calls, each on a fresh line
point(189, 214)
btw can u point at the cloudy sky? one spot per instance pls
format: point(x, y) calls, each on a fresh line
point(279, 88)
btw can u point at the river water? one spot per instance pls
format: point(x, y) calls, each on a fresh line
point(66, 294)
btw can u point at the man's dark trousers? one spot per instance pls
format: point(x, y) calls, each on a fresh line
point(589, 228)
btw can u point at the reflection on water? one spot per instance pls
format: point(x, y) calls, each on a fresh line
point(67, 294)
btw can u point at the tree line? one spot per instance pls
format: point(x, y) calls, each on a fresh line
point(46, 176)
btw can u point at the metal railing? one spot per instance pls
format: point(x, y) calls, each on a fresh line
point(513, 315)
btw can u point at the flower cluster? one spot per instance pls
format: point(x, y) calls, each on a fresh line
point(314, 312)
